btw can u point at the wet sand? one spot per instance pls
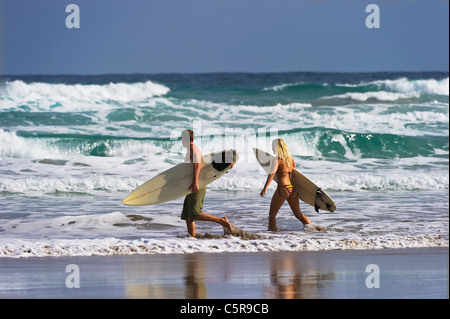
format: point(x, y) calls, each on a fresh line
point(394, 273)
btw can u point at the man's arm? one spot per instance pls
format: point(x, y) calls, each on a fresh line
point(196, 159)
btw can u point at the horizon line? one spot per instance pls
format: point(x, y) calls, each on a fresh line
point(217, 72)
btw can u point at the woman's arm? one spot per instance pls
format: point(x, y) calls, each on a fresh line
point(268, 181)
point(270, 177)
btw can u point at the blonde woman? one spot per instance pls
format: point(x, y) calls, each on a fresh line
point(282, 168)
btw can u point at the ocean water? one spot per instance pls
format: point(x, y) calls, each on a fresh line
point(72, 147)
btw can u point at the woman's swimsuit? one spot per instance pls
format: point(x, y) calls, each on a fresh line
point(289, 187)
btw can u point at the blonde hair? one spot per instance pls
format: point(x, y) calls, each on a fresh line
point(282, 151)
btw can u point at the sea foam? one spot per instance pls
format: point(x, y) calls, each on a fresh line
point(341, 181)
point(430, 86)
point(378, 95)
point(39, 96)
point(394, 90)
point(113, 246)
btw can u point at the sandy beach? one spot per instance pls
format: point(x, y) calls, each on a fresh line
point(398, 273)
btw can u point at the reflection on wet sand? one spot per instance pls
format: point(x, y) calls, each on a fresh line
point(291, 278)
point(194, 279)
point(405, 273)
point(199, 276)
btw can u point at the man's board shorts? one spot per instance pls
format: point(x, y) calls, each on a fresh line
point(193, 205)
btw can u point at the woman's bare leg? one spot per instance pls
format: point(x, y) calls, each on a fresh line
point(275, 205)
point(295, 207)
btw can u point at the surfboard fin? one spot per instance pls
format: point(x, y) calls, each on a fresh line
point(221, 161)
point(319, 193)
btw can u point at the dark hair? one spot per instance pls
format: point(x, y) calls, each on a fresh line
point(191, 134)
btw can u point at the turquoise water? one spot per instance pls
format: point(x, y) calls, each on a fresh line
point(376, 142)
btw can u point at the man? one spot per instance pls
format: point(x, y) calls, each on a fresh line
point(193, 203)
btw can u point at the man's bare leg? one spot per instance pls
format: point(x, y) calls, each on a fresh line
point(191, 227)
point(207, 218)
point(210, 218)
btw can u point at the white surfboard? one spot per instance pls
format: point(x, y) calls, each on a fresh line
point(307, 191)
point(174, 182)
